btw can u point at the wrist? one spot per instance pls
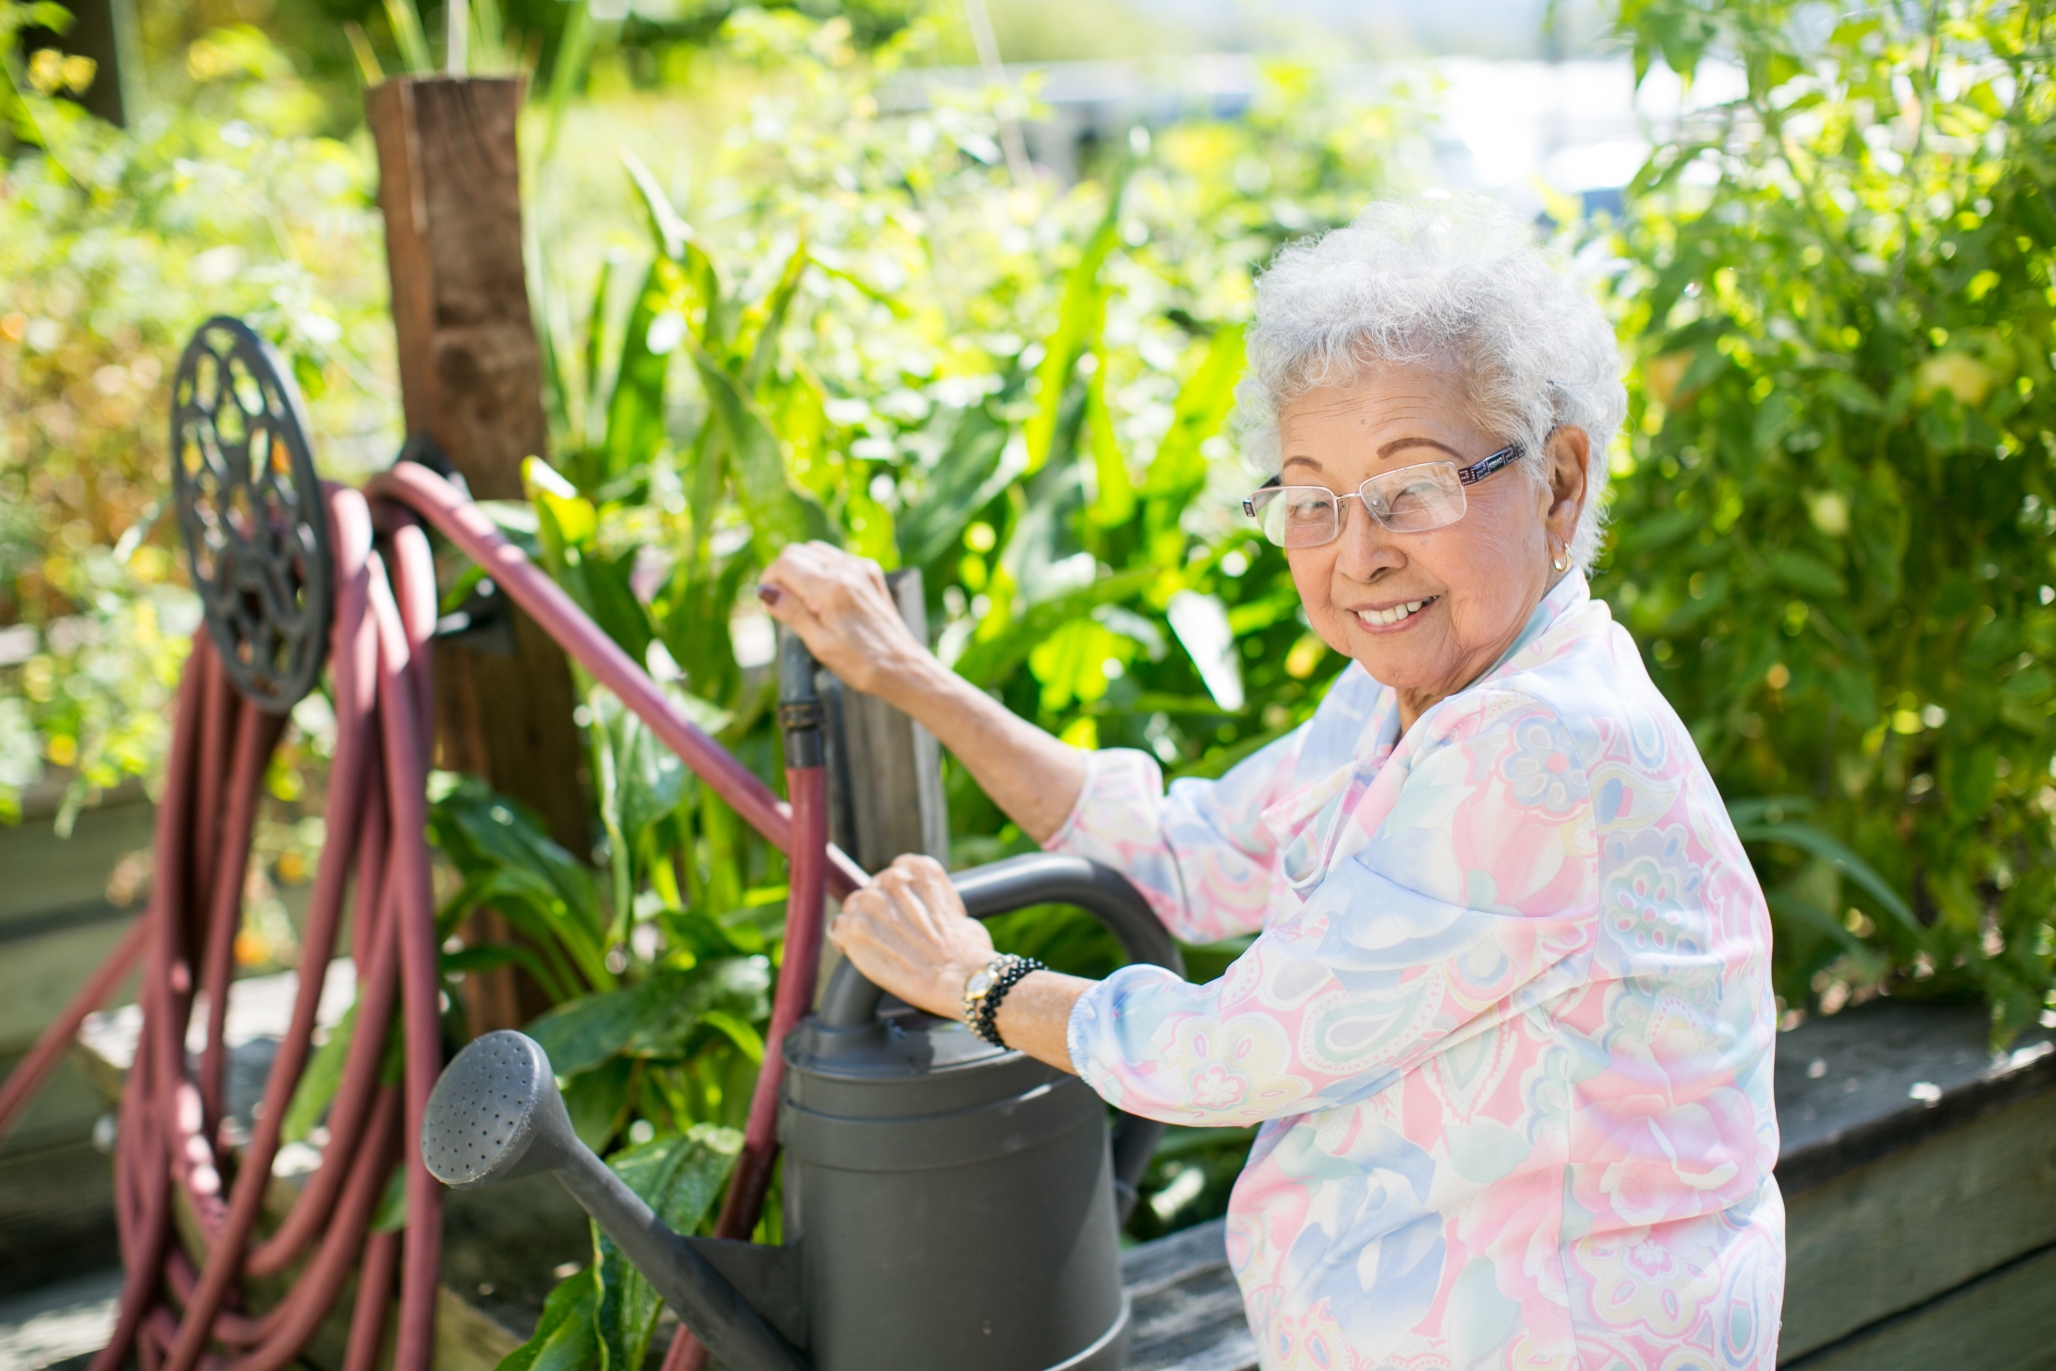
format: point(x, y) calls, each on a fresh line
point(986, 993)
point(916, 681)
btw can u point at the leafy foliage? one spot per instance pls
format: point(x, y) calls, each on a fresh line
point(604, 1315)
point(113, 246)
point(1832, 522)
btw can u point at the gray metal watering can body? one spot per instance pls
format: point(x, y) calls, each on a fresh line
point(948, 1203)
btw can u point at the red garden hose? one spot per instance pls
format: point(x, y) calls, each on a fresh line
point(176, 1315)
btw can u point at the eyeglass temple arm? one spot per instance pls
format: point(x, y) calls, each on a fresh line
point(1485, 466)
point(1249, 503)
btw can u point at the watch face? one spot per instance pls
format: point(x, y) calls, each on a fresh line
point(980, 982)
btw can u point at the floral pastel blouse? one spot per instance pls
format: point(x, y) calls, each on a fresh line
point(1506, 1023)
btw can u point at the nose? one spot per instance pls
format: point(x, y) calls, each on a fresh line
point(1367, 546)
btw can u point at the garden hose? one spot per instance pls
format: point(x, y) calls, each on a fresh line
point(178, 1184)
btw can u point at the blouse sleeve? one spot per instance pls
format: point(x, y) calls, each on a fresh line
point(1200, 854)
point(1471, 898)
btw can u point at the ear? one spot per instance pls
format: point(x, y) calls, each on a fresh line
point(1568, 458)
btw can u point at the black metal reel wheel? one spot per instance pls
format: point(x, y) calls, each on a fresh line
point(251, 513)
point(851, 1000)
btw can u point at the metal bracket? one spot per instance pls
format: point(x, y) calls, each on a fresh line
point(250, 510)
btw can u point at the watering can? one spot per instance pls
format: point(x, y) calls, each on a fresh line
point(948, 1203)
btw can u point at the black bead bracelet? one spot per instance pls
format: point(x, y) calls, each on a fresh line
point(986, 1022)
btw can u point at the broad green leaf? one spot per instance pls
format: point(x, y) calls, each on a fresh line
point(984, 662)
point(654, 1018)
point(963, 482)
point(598, 1100)
point(1079, 319)
point(319, 1081)
point(680, 1177)
point(565, 1338)
point(1808, 838)
point(1114, 495)
point(1178, 473)
point(769, 319)
point(777, 513)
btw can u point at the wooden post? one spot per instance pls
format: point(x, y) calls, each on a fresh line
point(886, 794)
point(471, 379)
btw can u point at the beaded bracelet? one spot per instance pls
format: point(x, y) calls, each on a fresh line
point(985, 1019)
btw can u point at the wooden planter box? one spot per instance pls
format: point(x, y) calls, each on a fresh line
point(57, 925)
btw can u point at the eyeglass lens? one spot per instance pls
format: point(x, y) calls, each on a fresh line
point(1410, 500)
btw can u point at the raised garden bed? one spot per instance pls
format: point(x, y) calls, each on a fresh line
point(1919, 1175)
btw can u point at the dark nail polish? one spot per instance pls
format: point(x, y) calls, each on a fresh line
point(770, 595)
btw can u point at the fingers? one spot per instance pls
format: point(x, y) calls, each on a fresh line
point(908, 901)
point(825, 577)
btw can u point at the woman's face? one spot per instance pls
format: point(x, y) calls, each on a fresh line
point(1475, 581)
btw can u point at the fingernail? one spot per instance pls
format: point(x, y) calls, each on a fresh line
point(770, 595)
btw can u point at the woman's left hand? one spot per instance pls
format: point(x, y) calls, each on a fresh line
point(907, 931)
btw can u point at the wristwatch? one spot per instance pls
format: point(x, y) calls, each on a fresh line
point(987, 986)
point(977, 986)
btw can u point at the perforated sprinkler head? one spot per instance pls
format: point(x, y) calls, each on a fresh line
point(496, 1114)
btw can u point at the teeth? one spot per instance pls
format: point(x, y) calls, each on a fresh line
point(1379, 618)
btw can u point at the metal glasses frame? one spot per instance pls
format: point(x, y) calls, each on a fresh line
point(1466, 476)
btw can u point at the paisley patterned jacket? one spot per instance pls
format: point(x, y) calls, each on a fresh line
point(1506, 1020)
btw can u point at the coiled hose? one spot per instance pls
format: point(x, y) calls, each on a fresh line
point(172, 1161)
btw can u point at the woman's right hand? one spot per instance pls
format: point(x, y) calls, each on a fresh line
point(839, 605)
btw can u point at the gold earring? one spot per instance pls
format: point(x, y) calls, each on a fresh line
point(1560, 563)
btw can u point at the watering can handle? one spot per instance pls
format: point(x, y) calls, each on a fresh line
point(1045, 878)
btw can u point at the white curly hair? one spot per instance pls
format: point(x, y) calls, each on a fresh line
point(1442, 280)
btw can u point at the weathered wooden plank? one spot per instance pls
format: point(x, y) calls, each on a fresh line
point(1870, 1081)
point(1187, 1308)
point(886, 797)
point(1921, 1222)
point(471, 378)
point(56, 1215)
point(2003, 1321)
point(40, 974)
point(51, 876)
point(63, 1111)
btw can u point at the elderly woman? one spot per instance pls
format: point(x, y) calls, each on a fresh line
point(1507, 1020)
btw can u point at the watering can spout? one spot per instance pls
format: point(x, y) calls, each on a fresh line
point(496, 1114)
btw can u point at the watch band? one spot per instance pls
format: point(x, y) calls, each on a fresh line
point(981, 1002)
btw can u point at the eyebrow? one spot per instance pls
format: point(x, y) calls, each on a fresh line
point(1396, 445)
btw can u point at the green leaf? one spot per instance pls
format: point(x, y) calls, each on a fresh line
point(1808, 574)
point(778, 514)
point(964, 480)
point(984, 662)
point(654, 1018)
point(771, 320)
point(648, 777)
point(1080, 316)
point(1819, 843)
point(564, 1338)
point(598, 1101)
point(509, 863)
point(320, 1080)
point(1113, 501)
point(635, 409)
point(680, 1178)
point(391, 1214)
point(1178, 472)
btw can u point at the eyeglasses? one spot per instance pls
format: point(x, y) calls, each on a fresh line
point(1406, 500)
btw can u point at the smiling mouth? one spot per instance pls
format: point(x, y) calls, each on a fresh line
point(1385, 618)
